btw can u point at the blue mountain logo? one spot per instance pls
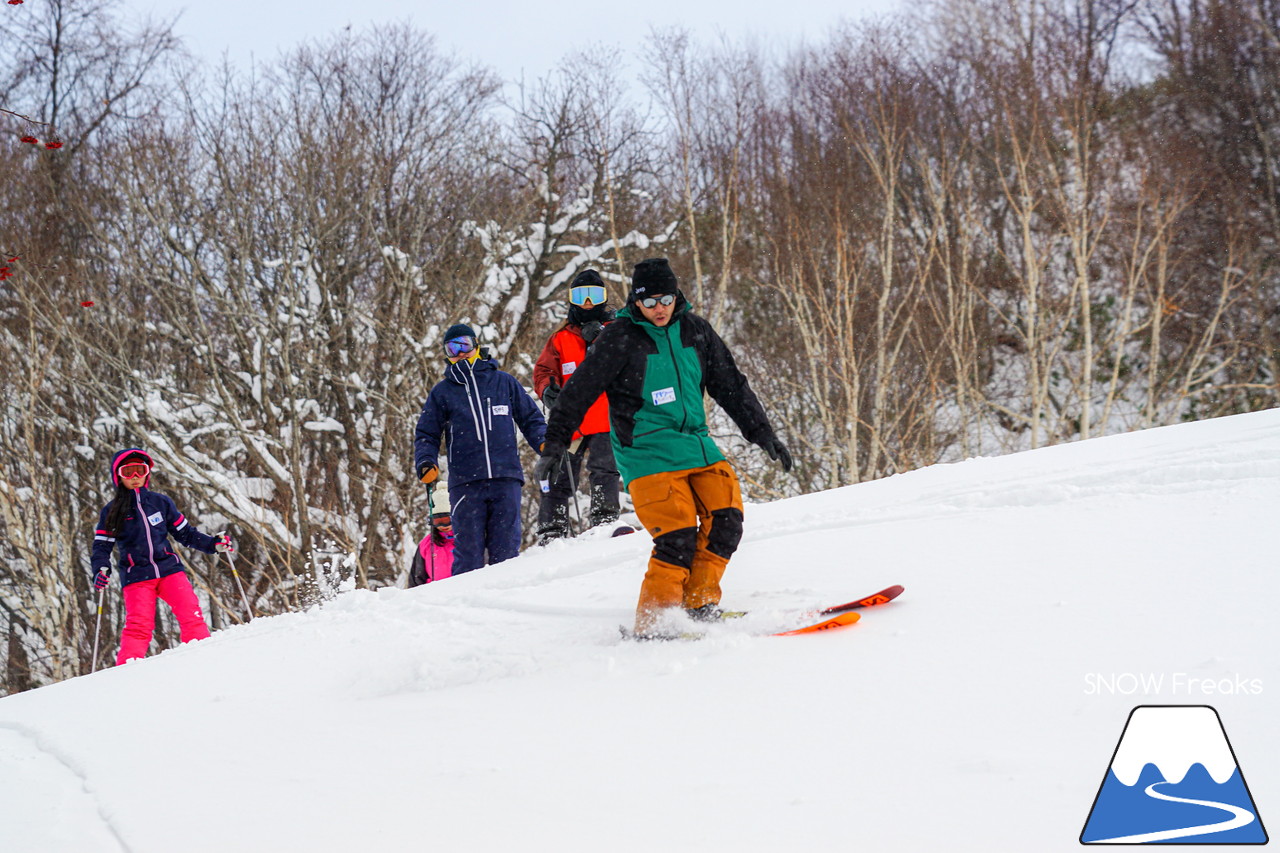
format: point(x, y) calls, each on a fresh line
point(1174, 779)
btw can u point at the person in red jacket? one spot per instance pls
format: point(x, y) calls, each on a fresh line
point(564, 351)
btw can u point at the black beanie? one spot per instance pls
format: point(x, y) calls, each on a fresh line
point(653, 277)
point(458, 330)
point(587, 278)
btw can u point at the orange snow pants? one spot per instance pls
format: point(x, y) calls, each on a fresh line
point(695, 518)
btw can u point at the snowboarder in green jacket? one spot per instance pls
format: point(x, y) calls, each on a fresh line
point(654, 363)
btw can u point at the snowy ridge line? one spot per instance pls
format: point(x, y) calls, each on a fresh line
point(1026, 492)
point(1140, 475)
point(40, 742)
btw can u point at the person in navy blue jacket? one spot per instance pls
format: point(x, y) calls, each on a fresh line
point(138, 522)
point(476, 409)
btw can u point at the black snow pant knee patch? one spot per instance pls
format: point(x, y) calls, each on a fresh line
point(677, 547)
point(726, 532)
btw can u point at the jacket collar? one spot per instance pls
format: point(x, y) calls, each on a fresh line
point(457, 372)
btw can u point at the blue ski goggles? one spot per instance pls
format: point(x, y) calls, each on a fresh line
point(651, 301)
point(593, 293)
point(459, 346)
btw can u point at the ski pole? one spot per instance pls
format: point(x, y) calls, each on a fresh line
point(240, 585)
point(573, 489)
point(97, 628)
point(431, 526)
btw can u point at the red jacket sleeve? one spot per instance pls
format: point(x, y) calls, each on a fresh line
point(547, 368)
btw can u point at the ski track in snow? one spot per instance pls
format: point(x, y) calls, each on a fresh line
point(41, 743)
point(1240, 817)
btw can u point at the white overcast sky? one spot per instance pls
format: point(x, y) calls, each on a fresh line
point(510, 37)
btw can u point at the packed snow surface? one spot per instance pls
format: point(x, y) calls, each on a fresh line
point(1047, 594)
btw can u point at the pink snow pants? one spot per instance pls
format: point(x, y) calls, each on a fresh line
point(140, 613)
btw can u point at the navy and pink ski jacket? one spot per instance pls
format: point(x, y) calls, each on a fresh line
point(143, 539)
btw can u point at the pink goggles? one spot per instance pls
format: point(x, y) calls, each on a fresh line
point(129, 470)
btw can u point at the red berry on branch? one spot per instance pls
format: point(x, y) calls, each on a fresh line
point(52, 145)
point(29, 139)
point(87, 304)
point(15, 2)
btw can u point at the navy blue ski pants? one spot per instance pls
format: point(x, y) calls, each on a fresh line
point(486, 523)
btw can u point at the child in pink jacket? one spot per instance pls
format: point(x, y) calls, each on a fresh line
point(433, 560)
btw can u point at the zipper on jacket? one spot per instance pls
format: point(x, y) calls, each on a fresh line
point(478, 414)
point(684, 404)
point(484, 436)
point(146, 529)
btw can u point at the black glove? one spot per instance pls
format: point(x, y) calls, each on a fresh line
point(591, 331)
point(549, 395)
point(777, 451)
point(551, 460)
point(102, 578)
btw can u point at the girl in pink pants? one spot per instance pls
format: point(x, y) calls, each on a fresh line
point(138, 522)
point(140, 613)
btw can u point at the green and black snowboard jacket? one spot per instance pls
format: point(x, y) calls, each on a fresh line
point(655, 378)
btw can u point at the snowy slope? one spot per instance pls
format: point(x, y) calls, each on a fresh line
point(500, 711)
